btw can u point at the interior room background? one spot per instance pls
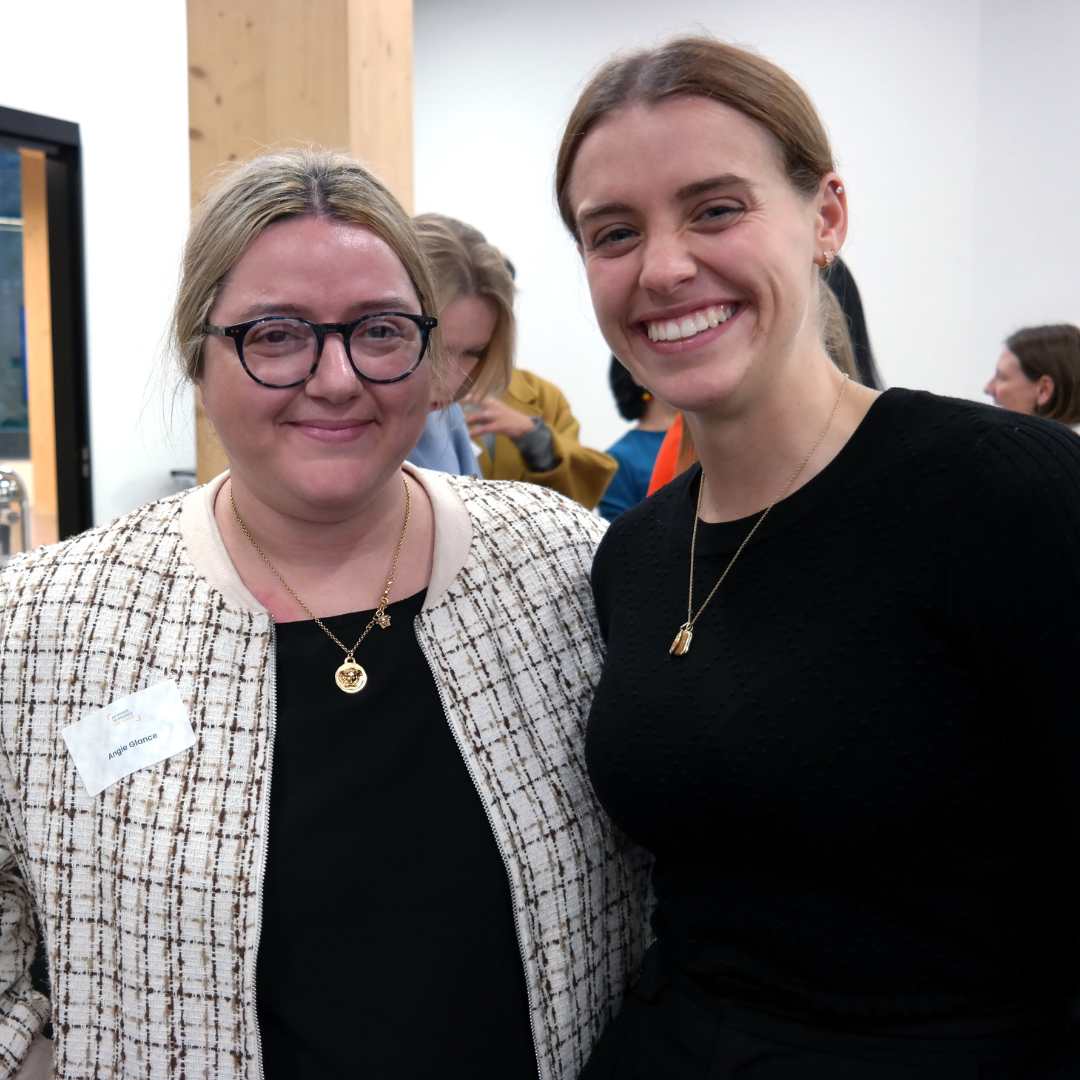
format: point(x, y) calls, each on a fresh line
point(956, 128)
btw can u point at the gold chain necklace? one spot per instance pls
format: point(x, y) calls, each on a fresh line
point(350, 677)
point(681, 645)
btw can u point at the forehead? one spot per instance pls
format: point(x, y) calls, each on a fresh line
point(656, 149)
point(1008, 363)
point(310, 260)
point(468, 320)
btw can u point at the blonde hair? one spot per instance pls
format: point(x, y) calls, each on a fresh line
point(835, 332)
point(271, 188)
point(465, 264)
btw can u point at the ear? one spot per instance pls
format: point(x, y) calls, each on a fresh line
point(831, 214)
point(1044, 390)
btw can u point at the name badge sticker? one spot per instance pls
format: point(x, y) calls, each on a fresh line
point(129, 734)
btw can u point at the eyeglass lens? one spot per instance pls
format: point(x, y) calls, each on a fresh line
point(281, 351)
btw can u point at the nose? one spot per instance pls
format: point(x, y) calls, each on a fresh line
point(334, 379)
point(989, 389)
point(667, 263)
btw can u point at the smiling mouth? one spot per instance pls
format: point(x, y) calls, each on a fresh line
point(690, 325)
point(331, 425)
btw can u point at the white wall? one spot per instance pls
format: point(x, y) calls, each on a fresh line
point(1027, 185)
point(955, 126)
point(119, 71)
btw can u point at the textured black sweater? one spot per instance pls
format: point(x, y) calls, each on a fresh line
point(860, 784)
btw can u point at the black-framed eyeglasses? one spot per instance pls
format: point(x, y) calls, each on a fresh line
point(280, 351)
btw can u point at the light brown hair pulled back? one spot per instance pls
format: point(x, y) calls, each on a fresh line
point(271, 188)
point(702, 67)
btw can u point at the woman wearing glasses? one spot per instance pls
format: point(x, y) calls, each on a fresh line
point(291, 771)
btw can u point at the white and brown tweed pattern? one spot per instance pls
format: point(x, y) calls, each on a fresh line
point(515, 643)
point(149, 893)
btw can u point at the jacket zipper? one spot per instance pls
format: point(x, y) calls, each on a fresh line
point(498, 845)
point(259, 1073)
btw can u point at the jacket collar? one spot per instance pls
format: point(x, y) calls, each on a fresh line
point(523, 389)
point(453, 535)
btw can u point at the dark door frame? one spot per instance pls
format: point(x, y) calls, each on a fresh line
point(59, 139)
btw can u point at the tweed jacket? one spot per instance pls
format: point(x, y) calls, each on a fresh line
point(148, 895)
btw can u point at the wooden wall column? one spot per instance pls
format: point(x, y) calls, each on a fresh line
point(271, 73)
point(37, 304)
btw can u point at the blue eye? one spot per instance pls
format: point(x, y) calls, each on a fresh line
point(718, 213)
point(613, 236)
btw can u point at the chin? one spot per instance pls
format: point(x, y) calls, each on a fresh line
point(704, 391)
point(692, 383)
point(334, 487)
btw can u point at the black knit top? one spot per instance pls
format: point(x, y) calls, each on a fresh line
point(388, 946)
point(862, 783)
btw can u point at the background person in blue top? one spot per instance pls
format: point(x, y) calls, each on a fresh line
point(636, 450)
point(475, 297)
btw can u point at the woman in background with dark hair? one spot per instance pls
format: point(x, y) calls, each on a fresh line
point(636, 450)
point(841, 282)
point(1038, 373)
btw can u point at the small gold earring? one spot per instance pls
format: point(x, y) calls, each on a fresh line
point(827, 259)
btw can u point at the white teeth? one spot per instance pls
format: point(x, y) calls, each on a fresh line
point(689, 325)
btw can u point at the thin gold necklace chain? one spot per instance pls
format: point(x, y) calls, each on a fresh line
point(681, 644)
point(380, 617)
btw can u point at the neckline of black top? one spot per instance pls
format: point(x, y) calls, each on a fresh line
point(717, 538)
point(407, 607)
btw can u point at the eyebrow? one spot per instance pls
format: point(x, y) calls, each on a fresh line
point(364, 307)
point(701, 187)
point(688, 191)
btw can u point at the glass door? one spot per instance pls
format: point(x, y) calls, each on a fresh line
point(44, 458)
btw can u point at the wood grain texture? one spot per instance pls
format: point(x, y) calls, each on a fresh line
point(266, 74)
point(381, 91)
point(37, 303)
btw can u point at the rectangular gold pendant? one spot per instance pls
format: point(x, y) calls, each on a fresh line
point(681, 645)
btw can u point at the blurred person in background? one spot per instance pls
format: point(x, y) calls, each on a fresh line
point(475, 298)
point(1038, 373)
point(525, 429)
point(530, 433)
point(636, 450)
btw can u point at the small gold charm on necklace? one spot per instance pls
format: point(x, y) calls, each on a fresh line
point(351, 678)
point(681, 645)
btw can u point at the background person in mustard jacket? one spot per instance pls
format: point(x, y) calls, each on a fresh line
point(525, 431)
point(529, 433)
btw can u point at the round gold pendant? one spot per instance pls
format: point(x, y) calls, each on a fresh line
point(350, 677)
